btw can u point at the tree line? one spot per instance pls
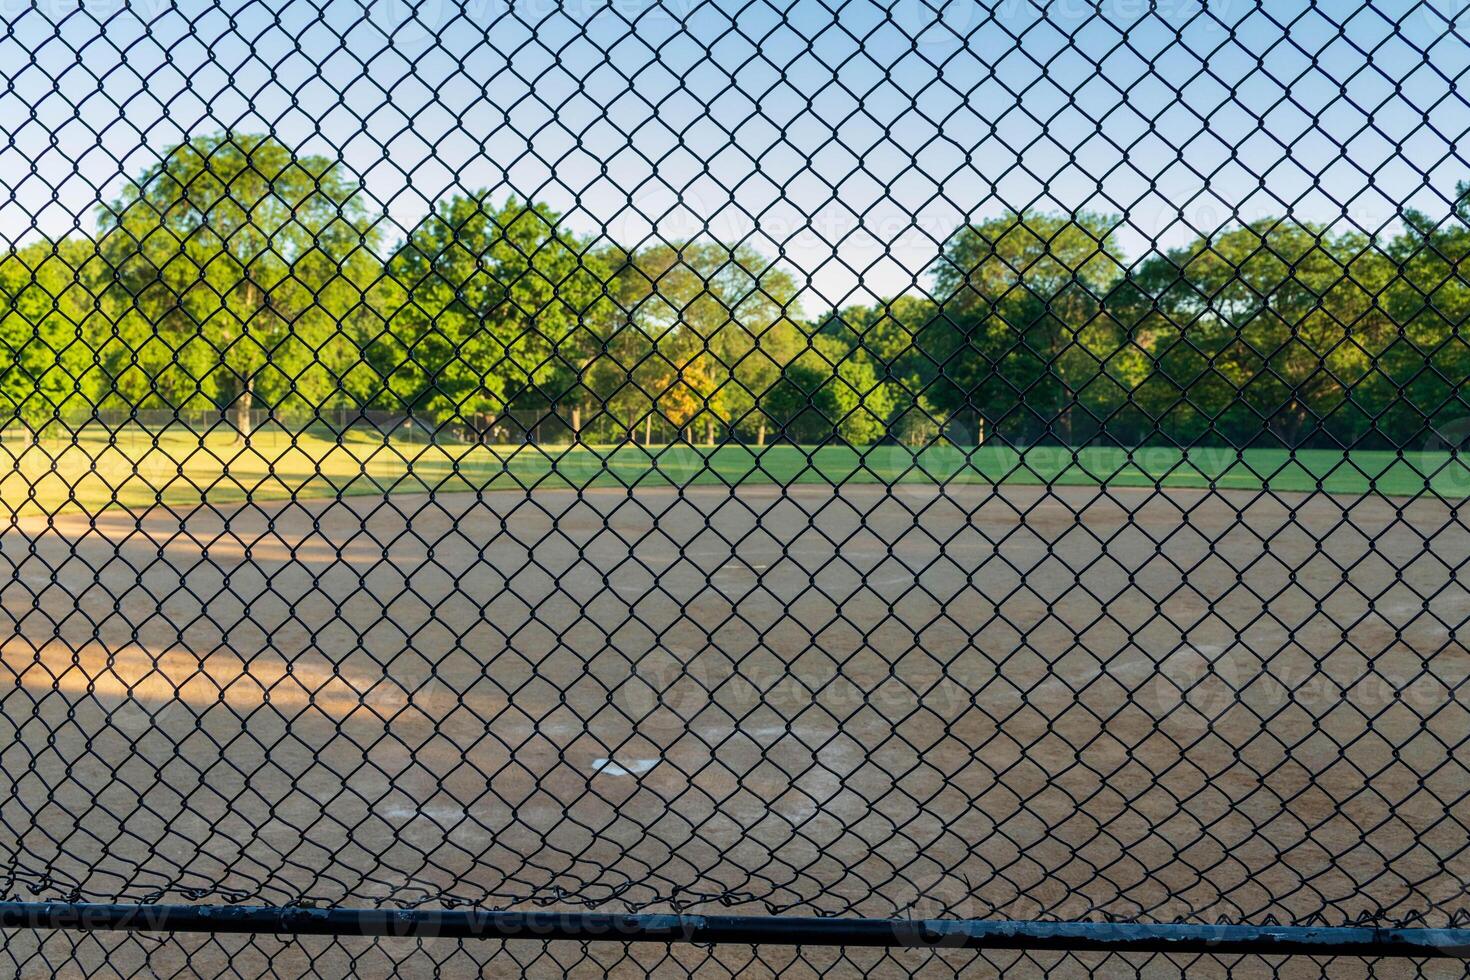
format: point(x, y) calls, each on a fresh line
point(238, 275)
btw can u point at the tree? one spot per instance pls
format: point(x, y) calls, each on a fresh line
point(727, 311)
point(45, 362)
point(1418, 380)
point(231, 269)
point(1022, 330)
point(238, 271)
point(888, 343)
point(1275, 322)
point(492, 300)
point(860, 402)
point(799, 404)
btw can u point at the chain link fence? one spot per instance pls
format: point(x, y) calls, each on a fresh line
point(889, 474)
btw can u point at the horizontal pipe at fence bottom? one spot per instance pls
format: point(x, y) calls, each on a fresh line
point(758, 930)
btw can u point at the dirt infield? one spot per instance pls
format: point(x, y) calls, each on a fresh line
point(1013, 702)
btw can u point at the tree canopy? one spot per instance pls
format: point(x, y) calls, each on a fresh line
point(237, 273)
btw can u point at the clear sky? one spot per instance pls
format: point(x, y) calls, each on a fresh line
point(848, 139)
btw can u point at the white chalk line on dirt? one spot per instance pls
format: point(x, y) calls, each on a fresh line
point(438, 812)
point(625, 767)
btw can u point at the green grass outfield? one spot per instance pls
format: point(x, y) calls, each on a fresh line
point(138, 468)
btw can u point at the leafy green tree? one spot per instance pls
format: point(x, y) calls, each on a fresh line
point(1276, 322)
point(492, 300)
point(1022, 331)
point(829, 391)
point(799, 404)
point(46, 364)
point(862, 402)
point(232, 271)
point(891, 341)
point(715, 320)
point(1419, 379)
point(238, 271)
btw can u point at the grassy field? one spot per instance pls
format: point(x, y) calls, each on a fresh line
point(178, 467)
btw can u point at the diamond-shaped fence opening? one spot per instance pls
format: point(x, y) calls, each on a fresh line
point(719, 489)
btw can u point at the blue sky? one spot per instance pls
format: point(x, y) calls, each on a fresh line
point(847, 139)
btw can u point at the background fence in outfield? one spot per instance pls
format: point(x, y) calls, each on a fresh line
point(714, 489)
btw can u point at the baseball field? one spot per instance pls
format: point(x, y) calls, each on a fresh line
point(802, 680)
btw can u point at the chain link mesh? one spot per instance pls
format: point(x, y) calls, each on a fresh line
point(996, 460)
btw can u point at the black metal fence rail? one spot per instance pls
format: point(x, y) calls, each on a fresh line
point(1116, 937)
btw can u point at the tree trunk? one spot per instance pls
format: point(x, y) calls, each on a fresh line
point(576, 424)
point(1295, 424)
point(648, 431)
point(760, 436)
point(243, 405)
point(709, 431)
point(254, 300)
